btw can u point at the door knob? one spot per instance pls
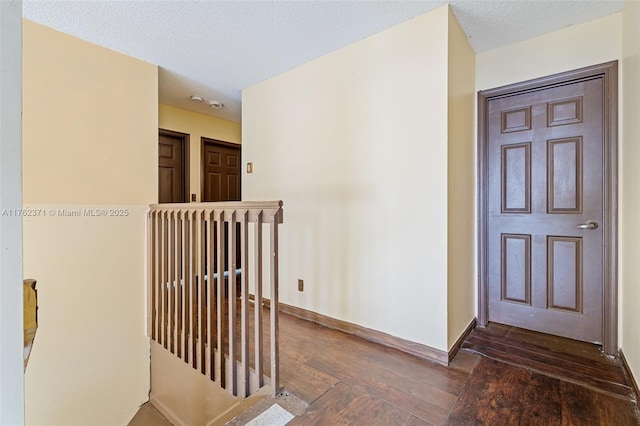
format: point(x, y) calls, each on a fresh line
point(590, 224)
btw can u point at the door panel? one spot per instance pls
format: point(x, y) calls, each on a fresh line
point(516, 178)
point(545, 176)
point(213, 187)
point(564, 167)
point(516, 268)
point(564, 282)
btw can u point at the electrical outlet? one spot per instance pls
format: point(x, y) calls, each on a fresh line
point(300, 285)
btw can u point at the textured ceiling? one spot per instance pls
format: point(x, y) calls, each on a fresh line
point(216, 48)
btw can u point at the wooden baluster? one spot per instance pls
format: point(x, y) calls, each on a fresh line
point(207, 299)
point(177, 249)
point(184, 290)
point(188, 317)
point(159, 278)
point(178, 278)
point(275, 340)
point(186, 276)
point(259, 344)
point(221, 368)
point(198, 286)
point(152, 276)
point(193, 296)
point(232, 294)
point(171, 241)
point(165, 278)
point(211, 310)
point(177, 289)
point(202, 311)
point(244, 308)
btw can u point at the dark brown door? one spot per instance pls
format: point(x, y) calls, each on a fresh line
point(220, 171)
point(545, 210)
point(221, 182)
point(172, 167)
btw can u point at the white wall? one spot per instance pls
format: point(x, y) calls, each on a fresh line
point(90, 142)
point(11, 337)
point(629, 196)
point(355, 144)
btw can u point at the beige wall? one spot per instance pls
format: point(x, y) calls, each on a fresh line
point(629, 197)
point(197, 125)
point(90, 142)
point(574, 47)
point(461, 178)
point(355, 144)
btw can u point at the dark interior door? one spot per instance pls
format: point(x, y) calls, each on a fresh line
point(221, 182)
point(221, 171)
point(172, 186)
point(545, 210)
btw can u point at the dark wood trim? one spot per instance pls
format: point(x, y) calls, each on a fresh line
point(610, 326)
point(632, 380)
point(186, 158)
point(458, 344)
point(407, 346)
point(609, 72)
point(483, 205)
point(203, 142)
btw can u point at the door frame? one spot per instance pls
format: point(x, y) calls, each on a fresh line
point(609, 72)
point(185, 159)
point(204, 141)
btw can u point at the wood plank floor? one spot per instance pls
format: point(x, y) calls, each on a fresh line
point(570, 360)
point(544, 380)
point(502, 376)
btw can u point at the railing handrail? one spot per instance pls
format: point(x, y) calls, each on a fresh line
point(267, 205)
point(273, 208)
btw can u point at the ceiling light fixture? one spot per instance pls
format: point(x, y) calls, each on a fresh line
point(197, 99)
point(216, 104)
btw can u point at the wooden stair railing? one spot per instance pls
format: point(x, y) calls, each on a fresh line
point(201, 263)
